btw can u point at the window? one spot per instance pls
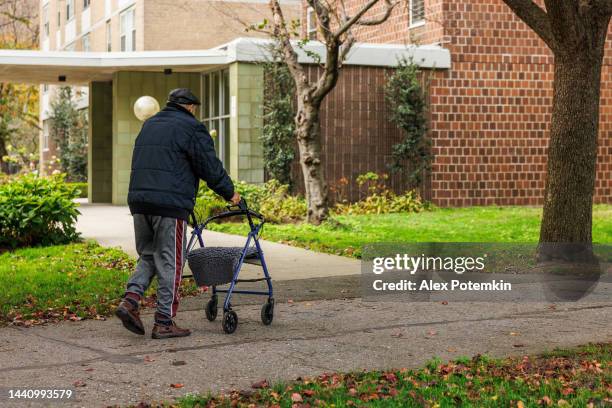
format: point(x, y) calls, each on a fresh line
point(69, 9)
point(311, 24)
point(128, 30)
point(86, 43)
point(417, 13)
point(45, 135)
point(86, 3)
point(45, 18)
point(109, 37)
point(45, 88)
point(216, 110)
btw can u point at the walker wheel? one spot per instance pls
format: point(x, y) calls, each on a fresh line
point(267, 312)
point(211, 309)
point(230, 322)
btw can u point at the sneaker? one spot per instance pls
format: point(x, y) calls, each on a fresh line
point(162, 331)
point(130, 317)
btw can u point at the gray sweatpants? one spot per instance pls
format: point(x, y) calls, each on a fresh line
point(160, 243)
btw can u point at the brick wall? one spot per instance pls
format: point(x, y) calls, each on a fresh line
point(356, 134)
point(490, 112)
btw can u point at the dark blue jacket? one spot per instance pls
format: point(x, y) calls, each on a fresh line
point(173, 151)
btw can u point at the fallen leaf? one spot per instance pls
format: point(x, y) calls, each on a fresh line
point(148, 359)
point(260, 384)
point(296, 397)
point(352, 392)
point(518, 345)
point(451, 349)
point(515, 334)
point(432, 332)
point(179, 363)
point(567, 391)
point(397, 334)
point(290, 301)
point(520, 404)
point(79, 383)
point(308, 393)
point(89, 369)
point(562, 403)
point(546, 401)
point(177, 385)
point(444, 302)
point(391, 377)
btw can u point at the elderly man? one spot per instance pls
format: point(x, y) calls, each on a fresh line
point(172, 153)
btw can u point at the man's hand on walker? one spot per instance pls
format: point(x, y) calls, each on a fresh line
point(235, 198)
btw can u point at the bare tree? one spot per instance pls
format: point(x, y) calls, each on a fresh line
point(575, 31)
point(334, 26)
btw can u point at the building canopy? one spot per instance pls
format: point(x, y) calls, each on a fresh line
point(81, 68)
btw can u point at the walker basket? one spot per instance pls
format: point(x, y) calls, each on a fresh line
point(213, 266)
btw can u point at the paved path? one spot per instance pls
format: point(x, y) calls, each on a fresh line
point(306, 338)
point(319, 330)
point(112, 226)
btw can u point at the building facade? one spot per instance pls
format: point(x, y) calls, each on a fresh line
point(490, 112)
point(489, 90)
point(125, 26)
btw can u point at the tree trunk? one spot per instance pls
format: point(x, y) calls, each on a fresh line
point(572, 154)
point(308, 132)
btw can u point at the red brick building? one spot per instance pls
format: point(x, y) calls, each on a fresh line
point(490, 112)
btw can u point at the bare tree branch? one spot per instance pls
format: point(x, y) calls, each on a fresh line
point(389, 6)
point(351, 21)
point(282, 35)
point(534, 17)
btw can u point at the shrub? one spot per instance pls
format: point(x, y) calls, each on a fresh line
point(278, 206)
point(207, 203)
point(36, 210)
point(278, 140)
point(82, 189)
point(271, 199)
point(378, 199)
point(406, 97)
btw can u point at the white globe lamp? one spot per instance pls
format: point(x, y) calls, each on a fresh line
point(145, 107)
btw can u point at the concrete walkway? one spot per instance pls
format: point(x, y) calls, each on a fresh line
point(112, 366)
point(112, 226)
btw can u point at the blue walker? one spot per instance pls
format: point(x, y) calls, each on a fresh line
point(252, 254)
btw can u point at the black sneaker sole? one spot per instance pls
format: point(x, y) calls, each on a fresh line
point(128, 322)
point(168, 336)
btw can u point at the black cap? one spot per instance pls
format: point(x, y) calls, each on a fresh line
point(183, 96)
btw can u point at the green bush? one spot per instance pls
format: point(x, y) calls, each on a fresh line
point(82, 189)
point(37, 211)
point(278, 206)
point(271, 199)
point(378, 199)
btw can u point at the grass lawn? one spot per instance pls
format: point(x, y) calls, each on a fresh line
point(471, 224)
point(579, 377)
point(80, 280)
point(74, 281)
